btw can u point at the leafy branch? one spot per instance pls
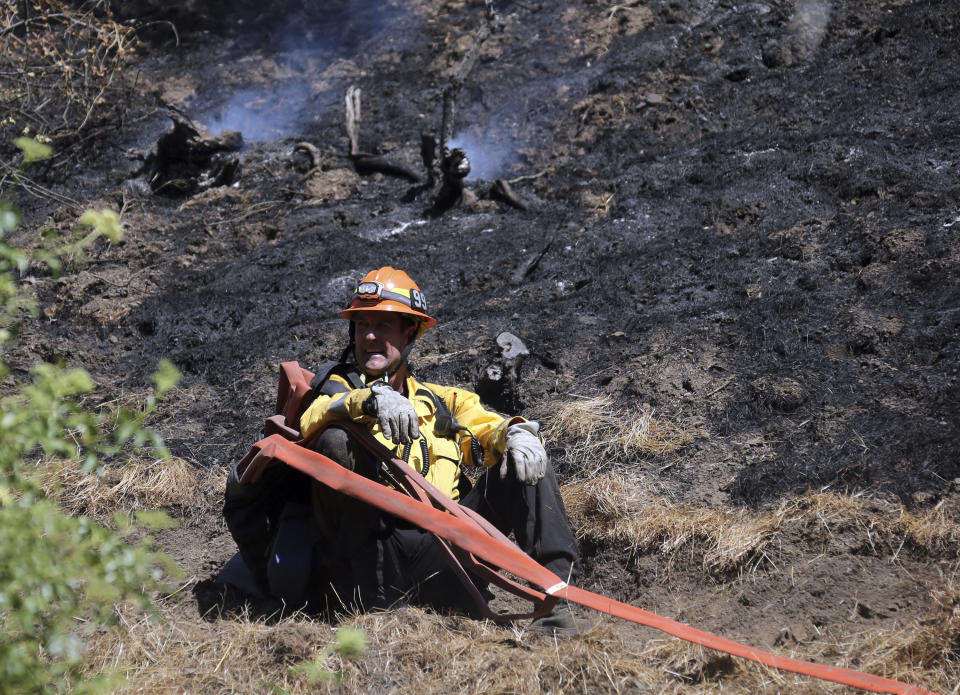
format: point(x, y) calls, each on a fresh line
point(61, 576)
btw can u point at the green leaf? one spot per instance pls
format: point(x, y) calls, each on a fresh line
point(33, 151)
point(103, 222)
point(10, 217)
point(166, 377)
point(156, 519)
point(350, 642)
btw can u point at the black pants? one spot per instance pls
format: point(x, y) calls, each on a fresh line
point(253, 513)
point(376, 560)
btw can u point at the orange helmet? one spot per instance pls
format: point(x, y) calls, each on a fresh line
point(389, 289)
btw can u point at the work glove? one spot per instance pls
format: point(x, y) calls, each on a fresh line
point(394, 412)
point(526, 452)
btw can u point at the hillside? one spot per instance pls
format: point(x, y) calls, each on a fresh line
point(734, 265)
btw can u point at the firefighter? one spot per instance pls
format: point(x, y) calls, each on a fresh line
point(374, 559)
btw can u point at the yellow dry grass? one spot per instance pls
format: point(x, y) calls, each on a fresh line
point(599, 434)
point(876, 520)
point(175, 654)
point(614, 508)
point(414, 650)
point(622, 509)
point(144, 484)
point(408, 650)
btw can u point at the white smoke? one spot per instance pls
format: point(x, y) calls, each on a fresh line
point(809, 24)
point(262, 114)
point(491, 152)
point(319, 36)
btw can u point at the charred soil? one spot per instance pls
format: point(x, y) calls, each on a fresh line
point(740, 223)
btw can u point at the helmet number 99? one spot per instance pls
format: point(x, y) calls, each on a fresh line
point(417, 301)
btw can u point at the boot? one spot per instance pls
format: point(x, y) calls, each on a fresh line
point(560, 622)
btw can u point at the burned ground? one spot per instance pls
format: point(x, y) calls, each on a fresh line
point(740, 216)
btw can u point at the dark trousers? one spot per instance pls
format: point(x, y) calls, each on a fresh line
point(254, 512)
point(374, 559)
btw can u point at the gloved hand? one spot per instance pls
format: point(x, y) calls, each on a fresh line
point(524, 449)
point(394, 412)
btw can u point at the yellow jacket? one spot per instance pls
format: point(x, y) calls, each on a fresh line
point(446, 452)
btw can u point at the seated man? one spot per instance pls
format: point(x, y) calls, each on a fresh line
point(373, 559)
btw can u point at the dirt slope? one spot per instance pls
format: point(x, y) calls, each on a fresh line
point(740, 215)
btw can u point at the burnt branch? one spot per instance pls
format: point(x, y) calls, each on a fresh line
point(353, 119)
point(366, 162)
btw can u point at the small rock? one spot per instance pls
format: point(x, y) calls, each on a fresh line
point(512, 346)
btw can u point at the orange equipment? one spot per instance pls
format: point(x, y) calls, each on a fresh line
point(476, 543)
point(389, 289)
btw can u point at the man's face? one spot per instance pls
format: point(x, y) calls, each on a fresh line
point(381, 337)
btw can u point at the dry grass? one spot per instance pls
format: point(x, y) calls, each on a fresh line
point(614, 508)
point(924, 652)
point(147, 484)
point(59, 63)
point(408, 650)
point(916, 654)
point(175, 655)
point(878, 521)
point(414, 650)
point(600, 435)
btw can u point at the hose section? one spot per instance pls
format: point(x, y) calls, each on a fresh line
point(464, 531)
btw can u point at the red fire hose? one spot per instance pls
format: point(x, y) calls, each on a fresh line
point(466, 531)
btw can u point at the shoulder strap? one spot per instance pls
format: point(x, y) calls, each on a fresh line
point(321, 382)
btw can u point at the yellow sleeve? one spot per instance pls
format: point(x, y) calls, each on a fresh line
point(342, 406)
point(489, 427)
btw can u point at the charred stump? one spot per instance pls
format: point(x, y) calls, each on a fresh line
point(454, 169)
point(187, 159)
point(498, 381)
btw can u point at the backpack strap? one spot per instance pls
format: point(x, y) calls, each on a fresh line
point(323, 384)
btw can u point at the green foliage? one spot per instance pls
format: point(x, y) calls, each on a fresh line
point(349, 644)
point(61, 576)
point(33, 151)
point(11, 259)
point(92, 225)
point(9, 218)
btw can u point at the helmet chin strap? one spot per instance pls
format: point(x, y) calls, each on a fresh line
point(351, 345)
point(402, 361)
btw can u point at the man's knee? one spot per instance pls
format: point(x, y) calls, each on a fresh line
point(335, 443)
point(338, 444)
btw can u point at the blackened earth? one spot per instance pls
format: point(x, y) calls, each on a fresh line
point(742, 214)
